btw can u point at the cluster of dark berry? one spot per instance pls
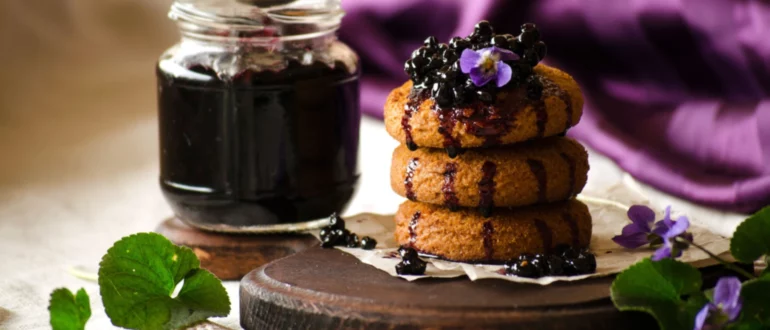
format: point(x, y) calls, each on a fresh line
point(410, 264)
point(436, 66)
point(568, 261)
point(336, 235)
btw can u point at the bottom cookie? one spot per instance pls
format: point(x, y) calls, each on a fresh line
point(465, 235)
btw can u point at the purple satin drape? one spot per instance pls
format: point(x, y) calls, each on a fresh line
point(677, 91)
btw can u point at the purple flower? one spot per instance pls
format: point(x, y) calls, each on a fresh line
point(724, 309)
point(670, 247)
point(637, 233)
point(487, 64)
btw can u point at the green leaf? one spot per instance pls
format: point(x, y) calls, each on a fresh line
point(137, 278)
point(750, 240)
point(756, 304)
point(68, 311)
point(656, 288)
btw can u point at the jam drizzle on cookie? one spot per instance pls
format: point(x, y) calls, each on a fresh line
point(410, 168)
point(412, 105)
point(546, 235)
point(538, 170)
point(450, 196)
point(413, 227)
point(571, 165)
point(487, 188)
point(487, 230)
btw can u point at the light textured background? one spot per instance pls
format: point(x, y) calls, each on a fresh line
point(78, 150)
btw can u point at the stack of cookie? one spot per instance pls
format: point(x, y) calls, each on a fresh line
point(493, 177)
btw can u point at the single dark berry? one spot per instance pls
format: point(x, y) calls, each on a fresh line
point(589, 259)
point(443, 95)
point(568, 252)
point(431, 42)
point(368, 243)
point(530, 57)
point(407, 253)
point(442, 47)
point(540, 49)
point(325, 231)
point(500, 41)
point(411, 146)
point(336, 222)
point(449, 56)
point(485, 96)
point(554, 266)
point(517, 47)
point(411, 267)
point(459, 44)
point(483, 28)
point(419, 63)
point(352, 241)
point(447, 74)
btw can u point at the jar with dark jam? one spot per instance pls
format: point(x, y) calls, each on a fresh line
point(258, 106)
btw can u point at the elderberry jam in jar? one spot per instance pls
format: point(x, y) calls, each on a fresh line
point(258, 107)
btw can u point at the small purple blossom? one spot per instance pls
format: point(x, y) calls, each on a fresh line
point(724, 309)
point(485, 65)
point(670, 247)
point(636, 233)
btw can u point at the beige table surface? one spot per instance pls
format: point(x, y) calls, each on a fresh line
point(78, 150)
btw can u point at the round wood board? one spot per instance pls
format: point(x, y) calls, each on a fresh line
point(231, 256)
point(329, 289)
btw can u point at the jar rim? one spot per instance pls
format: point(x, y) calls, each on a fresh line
point(241, 16)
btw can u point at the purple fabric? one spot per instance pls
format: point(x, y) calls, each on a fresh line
point(677, 91)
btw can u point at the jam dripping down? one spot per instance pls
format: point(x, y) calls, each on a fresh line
point(546, 236)
point(412, 105)
point(486, 232)
point(571, 164)
point(573, 228)
point(487, 188)
point(412, 228)
point(551, 88)
point(410, 168)
point(538, 170)
point(450, 197)
point(490, 122)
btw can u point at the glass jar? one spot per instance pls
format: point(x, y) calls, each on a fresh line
point(258, 107)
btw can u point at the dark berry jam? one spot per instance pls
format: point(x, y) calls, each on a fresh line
point(261, 148)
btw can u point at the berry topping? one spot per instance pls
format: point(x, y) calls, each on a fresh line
point(368, 243)
point(410, 263)
point(434, 67)
point(335, 222)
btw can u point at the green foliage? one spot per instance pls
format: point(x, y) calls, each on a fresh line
point(69, 311)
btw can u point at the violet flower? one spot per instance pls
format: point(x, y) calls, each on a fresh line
point(637, 233)
point(724, 309)
point(485, 65)
point(672, 248)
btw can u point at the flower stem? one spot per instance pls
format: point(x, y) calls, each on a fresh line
point(728, 265)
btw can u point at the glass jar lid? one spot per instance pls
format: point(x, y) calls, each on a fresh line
point(260, 15)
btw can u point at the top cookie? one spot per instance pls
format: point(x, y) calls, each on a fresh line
point(412, 117)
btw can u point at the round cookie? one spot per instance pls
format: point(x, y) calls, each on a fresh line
point(412, 119)
point(546, 170)
point(466, 236)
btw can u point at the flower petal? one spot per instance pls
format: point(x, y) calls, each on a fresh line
point(679, 227)
point(661, 227)
point(469, 60)
point(631, 241)
point(700, 319)
point(504, 74)
point(728, 292)
point(667, 217)
point(662, 253)
point(478, 77)
point(642, 216)
point(506, 55)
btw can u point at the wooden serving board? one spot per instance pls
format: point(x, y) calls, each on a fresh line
point(231, 256)
point(329, 289)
